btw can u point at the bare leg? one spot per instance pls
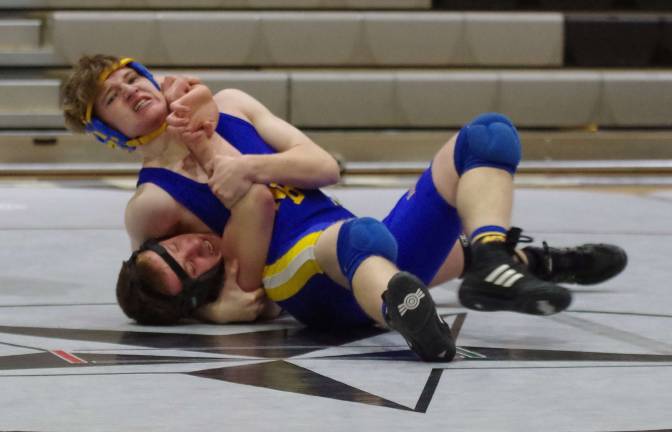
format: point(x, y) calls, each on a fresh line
point(485, 197)
point(451, 268)
point(482, 196)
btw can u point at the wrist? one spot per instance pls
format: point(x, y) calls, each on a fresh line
point(252, 168)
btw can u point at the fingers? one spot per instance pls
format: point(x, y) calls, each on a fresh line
point(179, 108)
point(258, 295)
point(176, 120)
point(167, 83)
point(192, 80)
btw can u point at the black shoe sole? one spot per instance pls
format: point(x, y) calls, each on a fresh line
point(619, 260)
point(539, 302)
point(412, 312)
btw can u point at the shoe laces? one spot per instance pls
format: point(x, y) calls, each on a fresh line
point(547, 258)
point(513, 237)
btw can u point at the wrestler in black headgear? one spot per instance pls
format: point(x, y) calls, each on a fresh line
point(145, 302)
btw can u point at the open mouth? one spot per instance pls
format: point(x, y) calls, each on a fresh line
point(141, 104)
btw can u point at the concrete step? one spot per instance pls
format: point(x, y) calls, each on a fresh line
point(384, 147)
point(20, 34)
point(39, 57)
point(312, 38)
point(216, 4)
point(386, 99)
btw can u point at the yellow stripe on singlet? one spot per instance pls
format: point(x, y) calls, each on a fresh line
point(289, 273)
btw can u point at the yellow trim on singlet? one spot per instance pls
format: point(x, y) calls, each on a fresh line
point(289, 273)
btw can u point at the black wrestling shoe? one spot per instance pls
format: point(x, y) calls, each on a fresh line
point(412, 312)
point(497, 282)
point(585, 265)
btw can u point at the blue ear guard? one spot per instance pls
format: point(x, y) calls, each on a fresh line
point(104, 133)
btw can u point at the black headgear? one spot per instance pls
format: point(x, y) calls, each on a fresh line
point(195, 292)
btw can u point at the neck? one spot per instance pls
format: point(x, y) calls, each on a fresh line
point(164, 151)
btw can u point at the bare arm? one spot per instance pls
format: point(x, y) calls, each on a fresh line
point(150, 213)
point(246, 239)
point(247, 235)
point(299, 162)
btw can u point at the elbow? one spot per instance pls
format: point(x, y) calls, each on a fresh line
point(263, 199)
point(331, 170)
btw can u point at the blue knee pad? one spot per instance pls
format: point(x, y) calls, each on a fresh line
point(361, 238)
point(490, 140)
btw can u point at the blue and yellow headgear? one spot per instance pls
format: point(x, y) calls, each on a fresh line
point(104, 133)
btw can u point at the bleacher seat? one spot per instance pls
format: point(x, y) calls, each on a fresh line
point(408, 99)
point(271, 88)
point(550, 98)
point(29, 103)
point(216, 4)
point(637, 99)
point(444, 99)
point(335, 39)
point(387, 90)
point(513, 39)
point(19, 34)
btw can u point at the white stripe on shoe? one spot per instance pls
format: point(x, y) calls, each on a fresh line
point(504, 276)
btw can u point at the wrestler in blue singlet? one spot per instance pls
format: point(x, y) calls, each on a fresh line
point(425, 227)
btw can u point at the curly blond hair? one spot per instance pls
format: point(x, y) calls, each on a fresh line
point(81, 87)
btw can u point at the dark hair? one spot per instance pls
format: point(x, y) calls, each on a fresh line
point(139, 295)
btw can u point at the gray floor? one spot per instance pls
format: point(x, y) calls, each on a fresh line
point(71, 361)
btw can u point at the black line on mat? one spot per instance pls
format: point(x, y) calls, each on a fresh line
point(24, 346)
point(428, 391)
point(475, 369)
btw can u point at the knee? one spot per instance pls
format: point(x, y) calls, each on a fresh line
point(489, 140)
point(361, 238)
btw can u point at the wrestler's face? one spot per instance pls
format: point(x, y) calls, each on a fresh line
point(195, 253)
point(129, 103)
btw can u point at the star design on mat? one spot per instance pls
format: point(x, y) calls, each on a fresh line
point(282, 359)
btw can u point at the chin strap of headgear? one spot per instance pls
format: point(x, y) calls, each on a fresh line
point(104, 133)
point(195, 292)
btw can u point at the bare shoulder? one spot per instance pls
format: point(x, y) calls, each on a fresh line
point(231, 95)
point(150, 213)
point(236, 101)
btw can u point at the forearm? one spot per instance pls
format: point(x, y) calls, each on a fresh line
point(248, 234)
point(307, 167)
